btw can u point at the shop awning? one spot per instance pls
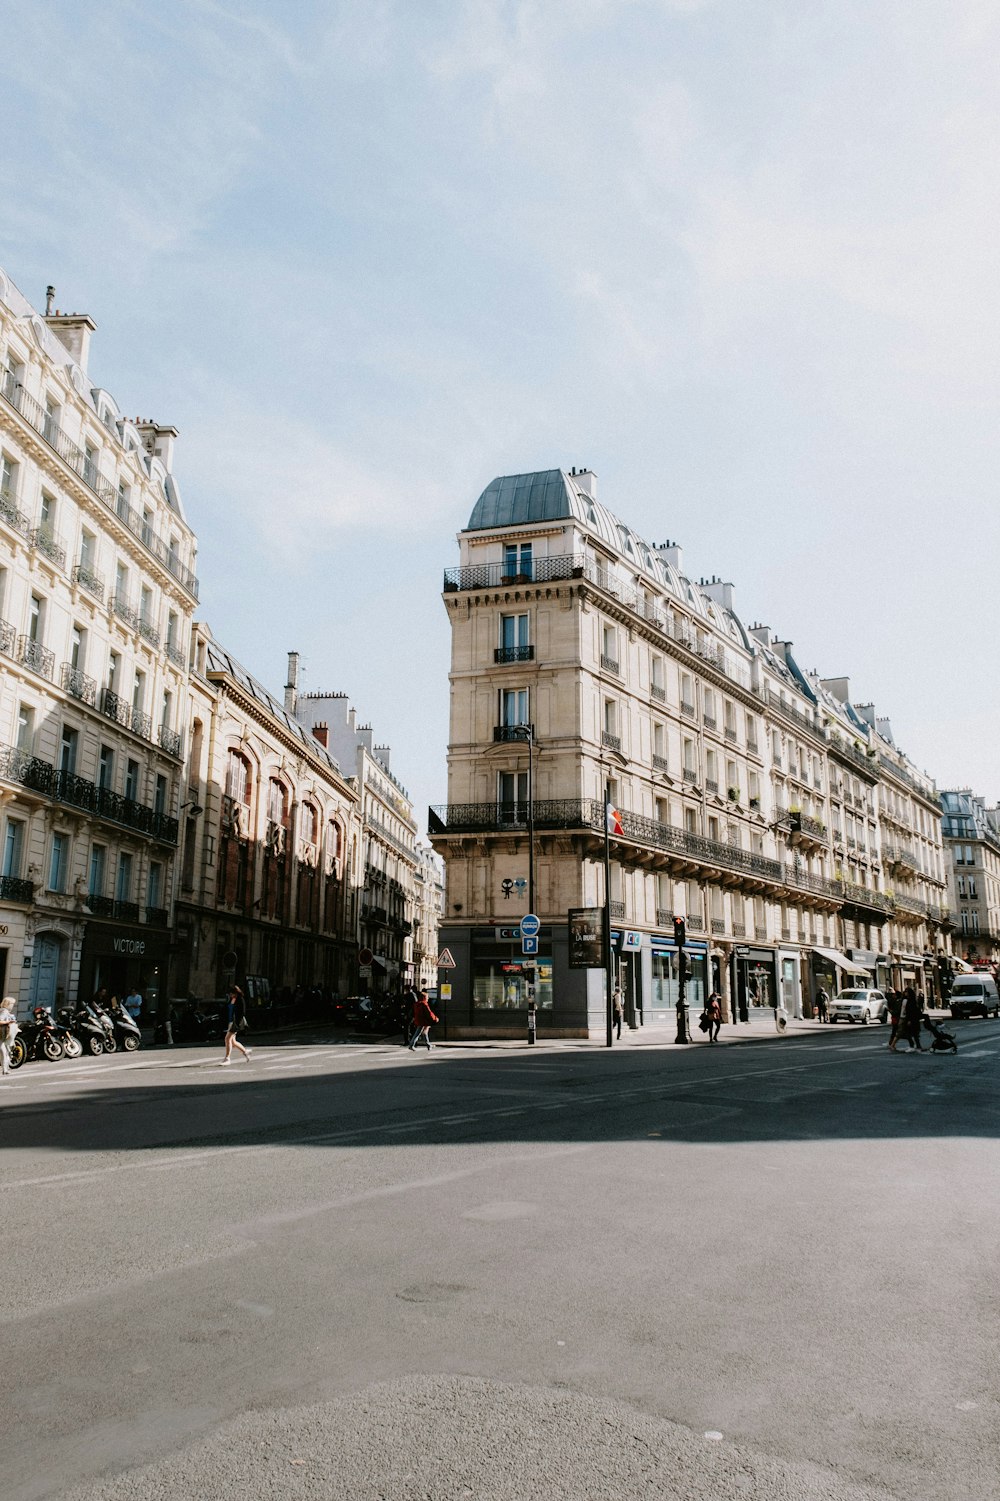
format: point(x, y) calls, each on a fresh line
point(834, 956)
point(960, 965)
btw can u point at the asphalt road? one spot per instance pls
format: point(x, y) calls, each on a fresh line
point(765, 1270)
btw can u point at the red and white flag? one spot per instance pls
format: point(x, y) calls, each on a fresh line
point(613, 820)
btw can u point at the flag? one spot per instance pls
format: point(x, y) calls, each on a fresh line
point(614, 823)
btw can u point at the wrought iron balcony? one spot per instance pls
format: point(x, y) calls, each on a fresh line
point(718, 925)
point(125, 611)
point(710, 722)
point(711, 784)
point(511, 733)
point(29, 771)
point(818, 885)
point(617, 911)
point(613, 742)
point(503, 655)
point(687, 708)
point(694, 924)
point(89, 580)
point(730, 734)
point(690, 775)
point(495, 575)
point(142, 724)
point(856, 895)
point(913, 905)
point(610, 664)
point(126, 911)
point(116, 707)
point(43, 541)
point(657, 691)
point(36, 656)
point(156, 917)
point(660, 763)
point(664, 917)
point(760, 930)
point(12, 889)
point(176, 655)
point(37, 417)
point(169, 739)
point(148, 631)
point(78, 684)
point(895, 854)
point(10, 513)
point(101, 906)
point(8, 638)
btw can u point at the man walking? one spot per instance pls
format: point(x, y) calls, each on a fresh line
point(822, 1004)
point(913, 1010)
point(423, 1019)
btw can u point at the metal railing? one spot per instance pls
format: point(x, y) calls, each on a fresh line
point(8, 638)
point(863, 896)
point(617, 911)
point(36, 656)
point(505, 654)
point(169, 739)
point(610, 664)
point(79, 792)
point(89, 580)
point(10, 512)
point(657, 691)
point(37, 417)
point(142, 724)
point(116, 707)
point(176, 655)
point(613, 742)
point(125, 611)
point(818, 885)
point(20, 766)
point(101, 906)
point(512, 733)
point(147, 630)
point(660, 763)
point(12, 889)
point(78, 684)
point(43, 541)
point(156, 917)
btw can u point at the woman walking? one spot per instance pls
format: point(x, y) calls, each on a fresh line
point(713, 1011)
point(423, 1019)
point(236, 1017)
point(8, 1030)
point(913, 1010)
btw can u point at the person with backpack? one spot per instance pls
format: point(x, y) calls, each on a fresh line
point(236, 1017)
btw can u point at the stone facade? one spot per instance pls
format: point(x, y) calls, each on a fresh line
point(746, 794)
point(271, 845)
point(972, 840)
point(97, 591)
point(429, 906)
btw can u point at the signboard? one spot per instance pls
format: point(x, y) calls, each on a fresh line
point(365, 956)
point(507, 935)
point(445, 960)
point(444, 991)
point(529, 944)
point(529, 925)
point(631, 941)
point(586, 937)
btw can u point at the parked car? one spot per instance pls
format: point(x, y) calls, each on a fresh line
point(862, 1006)
point(974, 995)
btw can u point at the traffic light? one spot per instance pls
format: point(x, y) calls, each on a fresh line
point(679, 932)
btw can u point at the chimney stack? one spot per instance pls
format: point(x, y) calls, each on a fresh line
point(73, 330)
point(292, 686)
point(322, 734)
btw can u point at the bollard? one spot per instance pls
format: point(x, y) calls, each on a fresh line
point(531, 1023)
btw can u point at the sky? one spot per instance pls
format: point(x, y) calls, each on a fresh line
point(737, 256)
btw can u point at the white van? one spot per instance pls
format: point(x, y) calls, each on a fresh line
point(974, 995)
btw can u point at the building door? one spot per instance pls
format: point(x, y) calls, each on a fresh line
point(45, 971)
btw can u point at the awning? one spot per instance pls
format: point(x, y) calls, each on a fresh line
point(834, 956)
point(960, 965)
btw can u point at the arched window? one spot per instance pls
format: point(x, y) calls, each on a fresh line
point(334, 847)
point(310, 824)
point(236, 803)
point(277, 802)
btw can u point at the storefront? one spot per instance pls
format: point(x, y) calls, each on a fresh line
point(501, 975)
point(664, 986)
point(753, 980)
point(119, 957)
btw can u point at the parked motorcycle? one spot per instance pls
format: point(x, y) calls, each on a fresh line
point(38, 1039)
point(72, 1046)
point(85, 1027)
point(104, 1017)
point(127, 1033)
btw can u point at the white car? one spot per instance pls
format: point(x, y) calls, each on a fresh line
point(862, 1006)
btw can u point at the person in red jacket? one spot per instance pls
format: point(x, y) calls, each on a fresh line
point(423, 1018)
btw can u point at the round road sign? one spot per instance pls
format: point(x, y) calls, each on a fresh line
point(529, 925)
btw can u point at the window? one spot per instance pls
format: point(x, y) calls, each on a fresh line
point(609, 646)
point(13, 847)
point(517, 561)
point(25, 728)
point(88, 551)
point(610, 717)
point(36, 618)
point(154, 885)
point(656, 676)
point(132, 780)
point(690, 820)
point(123, 885)
point(687, 693)
point(512, 794)
point(713, 828)
point(51, 423)
point(8, 479)
point(662, 810)
point(277, 801)
point(106, 767)
point(67, 750)
point(47, 515)
point(114, 670)
point(172, 630)
point(76, 649)
point(973, 888)
point(98, 864)
point(751, 733)
point(146, 605)
point(58, 861)
point(138, 691)
point(147, 526)
point(514, 706)
point(712, 769)
point(122, 499)
point(689, 759)
point(89, 463)
point(121, 582)
point(168, 708)
point(708, 706)
point(659, 743)
point(513, 632)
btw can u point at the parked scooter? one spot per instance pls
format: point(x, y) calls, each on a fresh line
point(38, 1038)
point(86, 1028)
point(72, 1046)
point(127, 1033)
point(103, 1016)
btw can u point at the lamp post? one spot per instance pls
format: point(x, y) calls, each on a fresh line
point(527, 732)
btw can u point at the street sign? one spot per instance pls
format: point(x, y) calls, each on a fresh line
point(445, 992)
point(529, 943)
point(365, 956)
point(445, 960)
point(529, 925)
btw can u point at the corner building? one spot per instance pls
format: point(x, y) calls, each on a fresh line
point(746, 791)
point(97, 591)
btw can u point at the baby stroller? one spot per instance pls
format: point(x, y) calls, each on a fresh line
point(944, 1041)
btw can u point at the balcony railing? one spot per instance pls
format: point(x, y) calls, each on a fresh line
point(89, 580)
point(711, 785)
point(10, 513)
point(857, 895)
point(12, 889)
point(29, 771)
point(148, 632)
point(176, 655)
point(8, 638)
point(660, 763)
point(101, 906)
point(37, 417)
point(687, 708)
point(511, 733)
point(78, 792)
point(49, 546)
point(690, 775)
point(911, 904)
point(664, 917)
point(78, 684)
point(657, 691)
point(156, 917)
point(710, 722)
point(503, 655)
point(617, 911)
point(613, 742)
point(35, 656)
point(142, 724)
point(818, 885)
point(718, 925)
point(169, 739)
point(125, 611)
point(116, 707)
point(610, 664)
point(695, 924)
point(126, 911)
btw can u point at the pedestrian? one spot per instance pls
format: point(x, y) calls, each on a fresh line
point(894, 1006)
point(913, 1010)
point(618, 1010)
point(236, 1017)
point(713, 1011)
point(133, 1004)
point(822, 1004)
point(423, 1019)
point(410, 998)
point(8, 1030)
